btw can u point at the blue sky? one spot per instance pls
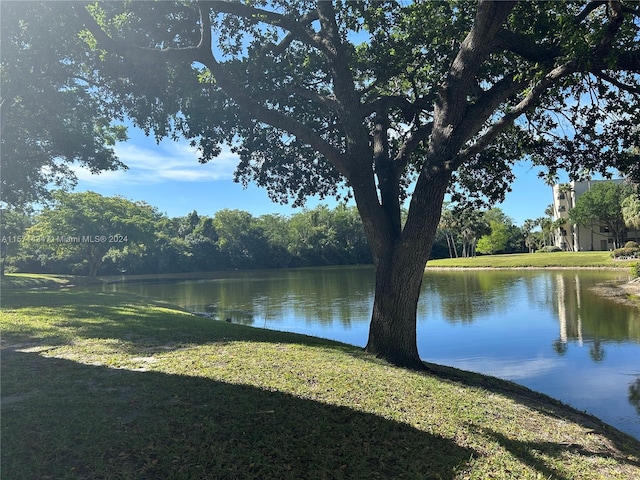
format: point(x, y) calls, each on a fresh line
point(169, 177)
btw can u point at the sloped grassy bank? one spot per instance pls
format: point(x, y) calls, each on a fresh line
point(99, 385)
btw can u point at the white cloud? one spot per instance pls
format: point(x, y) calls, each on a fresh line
point(169, 161)
point(506, 369)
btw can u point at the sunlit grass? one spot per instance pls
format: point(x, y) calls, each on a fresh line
point(25, 281)
point(536, 260)
point(102, 385)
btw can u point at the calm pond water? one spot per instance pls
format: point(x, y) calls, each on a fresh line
point(544, 329)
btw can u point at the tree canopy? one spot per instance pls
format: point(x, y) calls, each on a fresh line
point(502, 233)
point(88, 228)
point(394, 101)
point(50, 116)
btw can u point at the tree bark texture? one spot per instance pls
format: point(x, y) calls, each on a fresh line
point(392, 332)
point(399, 271)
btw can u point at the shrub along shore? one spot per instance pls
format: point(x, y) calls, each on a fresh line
point(104, 385)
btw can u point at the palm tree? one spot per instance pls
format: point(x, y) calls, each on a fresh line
point(546, 225)
point(448, 225)
point(631, 211)
point(527, 232)
point(566, 189)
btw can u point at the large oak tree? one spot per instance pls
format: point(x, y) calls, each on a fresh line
point(390, 101)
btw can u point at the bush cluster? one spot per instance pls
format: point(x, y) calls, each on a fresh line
point(630, 250)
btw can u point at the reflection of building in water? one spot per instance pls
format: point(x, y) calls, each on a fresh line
point(569, 303)
point(586, 317)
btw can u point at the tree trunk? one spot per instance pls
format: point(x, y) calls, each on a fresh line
point(446, 235)
point(93, 269)
point(95, 261)
point(392, 333)
point(400, 269)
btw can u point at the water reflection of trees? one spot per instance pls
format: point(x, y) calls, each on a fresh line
point(464, 296)
point(634, 394)
point(596, 350)
point(585, 317)
point(344, 295)
point(319, 295)
point(560, 347)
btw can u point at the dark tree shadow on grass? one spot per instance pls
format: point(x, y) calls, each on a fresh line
point(63, 419)
point(551, 407)
point(528, 452)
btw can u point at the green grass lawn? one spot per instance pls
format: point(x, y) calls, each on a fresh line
point(536, 260)
point(112, 386)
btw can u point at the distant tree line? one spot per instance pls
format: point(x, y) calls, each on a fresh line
point(87, 233)
point(466, 232)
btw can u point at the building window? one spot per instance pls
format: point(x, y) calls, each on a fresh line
point(561, 196)
point(604, 230)
point(562, 208)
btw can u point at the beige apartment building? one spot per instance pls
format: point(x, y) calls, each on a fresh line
point(581, 237)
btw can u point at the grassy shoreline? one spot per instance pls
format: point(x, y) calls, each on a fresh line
point(536, 260)
point(103, 385)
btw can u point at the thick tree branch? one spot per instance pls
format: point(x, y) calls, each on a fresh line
point(478, 113)
point(616, 17)
point(203, 54)
point(450, 109)
point(476, 45)
point(297, 28)
point(385, 172)
point(417, 137)
point(625, 61)
point(4, 110)
point(528, 102)
point(632, 11)
point(634, 89)
point(359, 151)
point(451, 105)
point(589, 7)
point(344, 84)
point(280, 47)
point(205, 28)
point(133, 52)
